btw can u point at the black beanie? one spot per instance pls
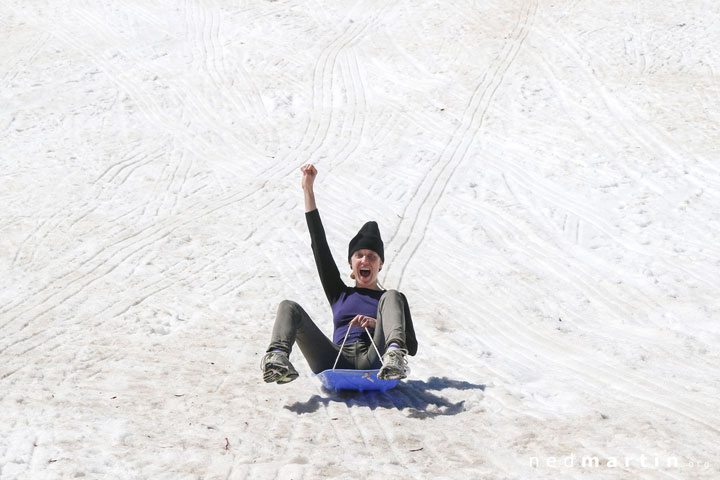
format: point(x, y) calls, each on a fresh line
point(367, 238)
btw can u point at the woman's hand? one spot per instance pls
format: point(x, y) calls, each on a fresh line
point(309, 173)
point(363, 321)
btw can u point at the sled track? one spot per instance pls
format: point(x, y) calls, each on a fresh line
point(323, 126)
point(426, 198)
point(141, 283)
point(198, 110)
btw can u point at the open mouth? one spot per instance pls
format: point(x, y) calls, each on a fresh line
point(365, 272)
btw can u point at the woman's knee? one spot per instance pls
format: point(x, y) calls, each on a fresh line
point(392, 296)
point(288, 304)
point(392, 293)
point(289, 308)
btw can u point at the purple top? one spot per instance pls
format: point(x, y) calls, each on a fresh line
point(354, 301)
point(346, 302)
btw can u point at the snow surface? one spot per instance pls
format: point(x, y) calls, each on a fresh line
point(546, 174)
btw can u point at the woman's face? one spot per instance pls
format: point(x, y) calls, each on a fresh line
point(366, 265)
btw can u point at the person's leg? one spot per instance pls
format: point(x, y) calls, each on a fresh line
point(294, 325)
point(393, 323)
point(366, 358)
point(393, 313)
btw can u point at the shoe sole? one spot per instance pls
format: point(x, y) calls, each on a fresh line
point(279, 374)
point(391, 374)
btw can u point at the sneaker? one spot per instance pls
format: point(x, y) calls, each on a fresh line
point(276, 367)
point(395, 365)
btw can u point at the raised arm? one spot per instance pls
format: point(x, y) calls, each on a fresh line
point(309, 173)
point(327, 270)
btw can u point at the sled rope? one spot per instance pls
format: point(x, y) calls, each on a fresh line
point(374, 346)
point(341, 347)
point(345, 340)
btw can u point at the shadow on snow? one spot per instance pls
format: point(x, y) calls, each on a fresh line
point(414, 395)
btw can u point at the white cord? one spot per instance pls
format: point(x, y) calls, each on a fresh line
point(374, 346)
point(341, 347)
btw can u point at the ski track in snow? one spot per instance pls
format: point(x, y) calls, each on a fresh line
point(545, 176)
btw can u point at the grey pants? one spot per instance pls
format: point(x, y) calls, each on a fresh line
point(293, 324)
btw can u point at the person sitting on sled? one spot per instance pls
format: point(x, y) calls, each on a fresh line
point(357, 311)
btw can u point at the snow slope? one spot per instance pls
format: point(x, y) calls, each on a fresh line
point(546, 175)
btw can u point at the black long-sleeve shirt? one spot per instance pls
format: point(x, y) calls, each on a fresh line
point(346, 302)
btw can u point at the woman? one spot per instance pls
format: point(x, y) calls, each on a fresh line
point(356, 310)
